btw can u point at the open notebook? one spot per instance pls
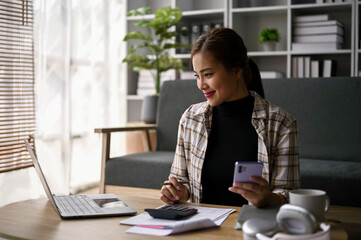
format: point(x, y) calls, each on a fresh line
point(81, 206)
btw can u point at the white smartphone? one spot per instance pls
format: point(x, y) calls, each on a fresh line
point(244, 170)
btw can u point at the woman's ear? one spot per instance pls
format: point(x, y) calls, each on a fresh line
point(238, 72)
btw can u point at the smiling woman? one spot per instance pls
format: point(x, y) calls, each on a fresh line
point(235, 124)
point(217, 84)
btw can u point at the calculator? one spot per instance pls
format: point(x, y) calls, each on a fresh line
point(173, 212)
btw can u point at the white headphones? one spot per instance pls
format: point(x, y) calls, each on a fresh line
point(296, 221)
point(323, 235)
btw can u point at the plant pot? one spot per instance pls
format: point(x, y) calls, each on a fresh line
point(269, 46)
point(149, 109)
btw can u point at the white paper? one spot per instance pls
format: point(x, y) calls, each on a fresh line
point(179, 227)
point(205, 218)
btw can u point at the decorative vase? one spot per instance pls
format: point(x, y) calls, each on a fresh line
point(149, 109)
point(269, 46)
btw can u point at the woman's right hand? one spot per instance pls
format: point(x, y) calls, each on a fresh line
point(173, 193)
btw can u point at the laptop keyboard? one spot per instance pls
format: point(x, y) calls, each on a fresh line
point(77, 205)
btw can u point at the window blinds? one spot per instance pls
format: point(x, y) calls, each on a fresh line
point(17, 106)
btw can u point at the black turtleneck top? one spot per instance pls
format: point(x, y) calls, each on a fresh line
point(232, 138)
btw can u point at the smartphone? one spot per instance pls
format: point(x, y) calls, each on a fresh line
point(244, 170)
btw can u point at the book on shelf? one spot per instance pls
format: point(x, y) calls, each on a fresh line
point(307, 66)
point(206, 28)
point(319, 38)
point(329, 68)
point(271, 74)
point(318, 23)
point(146, 85)
point(315, 68)
point(195, 32)
point(145, 92)
point(294, 67)
point(184, 38)
point(300, 67)
point(321, 46)
point(317, 30)
point(311, 18)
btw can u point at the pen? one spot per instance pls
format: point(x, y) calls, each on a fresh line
point(155, 226)
point(168, 183)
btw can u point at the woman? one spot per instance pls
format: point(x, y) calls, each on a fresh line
point(235, 124)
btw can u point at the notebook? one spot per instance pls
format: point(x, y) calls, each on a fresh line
point(81, 206)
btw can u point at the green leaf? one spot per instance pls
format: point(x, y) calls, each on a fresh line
point(156, 48)
point(164, 35)
point(135, 58)
point(132, 49)
point(160, 39)
point(142, 23)
point(138, 35)
point(139, 11)
point(269, 34)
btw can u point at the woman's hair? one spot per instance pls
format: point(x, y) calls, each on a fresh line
point(228, 47)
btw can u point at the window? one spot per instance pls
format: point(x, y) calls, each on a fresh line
point(17, 107)
point(78, 65)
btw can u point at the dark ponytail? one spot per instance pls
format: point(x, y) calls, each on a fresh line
point(255, 83)
point(228, 47)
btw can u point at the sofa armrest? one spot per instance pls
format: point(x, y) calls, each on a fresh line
point(106, 133)
point(144, 127)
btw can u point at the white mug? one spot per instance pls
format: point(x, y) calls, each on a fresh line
point(315, 201)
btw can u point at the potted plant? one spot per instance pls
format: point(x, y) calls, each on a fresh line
point(269, 37)
point(158, 37)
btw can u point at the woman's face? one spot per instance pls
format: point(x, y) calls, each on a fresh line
point(217, 84)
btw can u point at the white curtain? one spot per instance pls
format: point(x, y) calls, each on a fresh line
point(78, 49)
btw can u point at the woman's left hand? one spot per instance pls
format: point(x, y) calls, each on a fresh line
point(258, 194)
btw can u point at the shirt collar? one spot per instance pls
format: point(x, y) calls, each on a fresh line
point(260, 106)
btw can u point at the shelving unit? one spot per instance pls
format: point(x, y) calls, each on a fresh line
point(358, 38)
point(280, 14)
point(249, 17)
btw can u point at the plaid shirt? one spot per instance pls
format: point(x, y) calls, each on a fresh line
point(277, 146)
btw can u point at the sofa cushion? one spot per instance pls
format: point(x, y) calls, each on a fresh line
point(340, 179)
point(146, 170)
point(328, 113)
point(175, 97)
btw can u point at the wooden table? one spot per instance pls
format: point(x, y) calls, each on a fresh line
point(36, 219)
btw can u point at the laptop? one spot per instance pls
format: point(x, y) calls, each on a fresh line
point(81, 206)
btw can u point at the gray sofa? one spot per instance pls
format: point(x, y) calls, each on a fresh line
point(328, 112)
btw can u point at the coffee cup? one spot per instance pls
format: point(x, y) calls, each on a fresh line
point(315, 201)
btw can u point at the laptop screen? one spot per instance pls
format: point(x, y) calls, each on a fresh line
point(41, 174)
